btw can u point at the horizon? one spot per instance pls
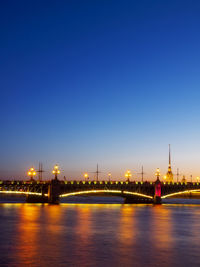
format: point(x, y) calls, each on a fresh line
point(97, 82)
point(136, 174)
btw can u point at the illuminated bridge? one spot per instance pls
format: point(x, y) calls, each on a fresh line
point(132, 192)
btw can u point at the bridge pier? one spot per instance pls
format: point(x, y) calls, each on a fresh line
point(36, 198)
point(54, 192)
point(157, 192)
point(157, 200)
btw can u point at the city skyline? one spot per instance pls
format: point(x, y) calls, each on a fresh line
point(171, 175)
point(108, 83)
point(117, 172)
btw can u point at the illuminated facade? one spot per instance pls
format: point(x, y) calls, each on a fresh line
point(169, 175)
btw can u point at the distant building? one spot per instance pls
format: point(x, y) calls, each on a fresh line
point(169, 175)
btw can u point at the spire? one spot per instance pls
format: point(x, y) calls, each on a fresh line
point(169, 175)
point(169, 156)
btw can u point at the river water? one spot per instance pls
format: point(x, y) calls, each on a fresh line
point(99, 235)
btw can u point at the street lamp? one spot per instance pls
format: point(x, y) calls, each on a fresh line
point(86, 176)
point(56, 171)
point(109, 176)
point(31, 173)
point(157, 173)
point(128, 175)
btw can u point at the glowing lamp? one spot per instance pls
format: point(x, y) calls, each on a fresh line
point(56, 171)
point(128, 174)
point(86, 175)
point(31, 173)
point(157, 173)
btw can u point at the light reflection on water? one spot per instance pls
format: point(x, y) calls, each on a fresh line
point(99, 235)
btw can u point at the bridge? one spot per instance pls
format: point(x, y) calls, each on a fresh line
point(132, 191)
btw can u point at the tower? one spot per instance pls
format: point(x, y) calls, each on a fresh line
point(40, 171)
point(169, 174)
point(97, 172)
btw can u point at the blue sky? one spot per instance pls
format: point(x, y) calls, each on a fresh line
point(112, 82)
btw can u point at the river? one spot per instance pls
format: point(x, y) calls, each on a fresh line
point(100, 235)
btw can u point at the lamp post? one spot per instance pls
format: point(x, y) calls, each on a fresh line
point(109, 176)
point(56, 171)
point(128, 175)
point(86, 176)
point(157, 173)
point(31, 173)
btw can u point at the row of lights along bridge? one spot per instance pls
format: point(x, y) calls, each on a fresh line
point(32, 173)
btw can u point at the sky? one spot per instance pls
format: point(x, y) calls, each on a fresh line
point(110, 82)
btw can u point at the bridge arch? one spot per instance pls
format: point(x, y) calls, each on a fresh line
point(106, 191)
point(20, 193)
point(181, 193)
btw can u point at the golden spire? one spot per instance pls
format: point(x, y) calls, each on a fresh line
point(169, 174)
point(169, 166)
